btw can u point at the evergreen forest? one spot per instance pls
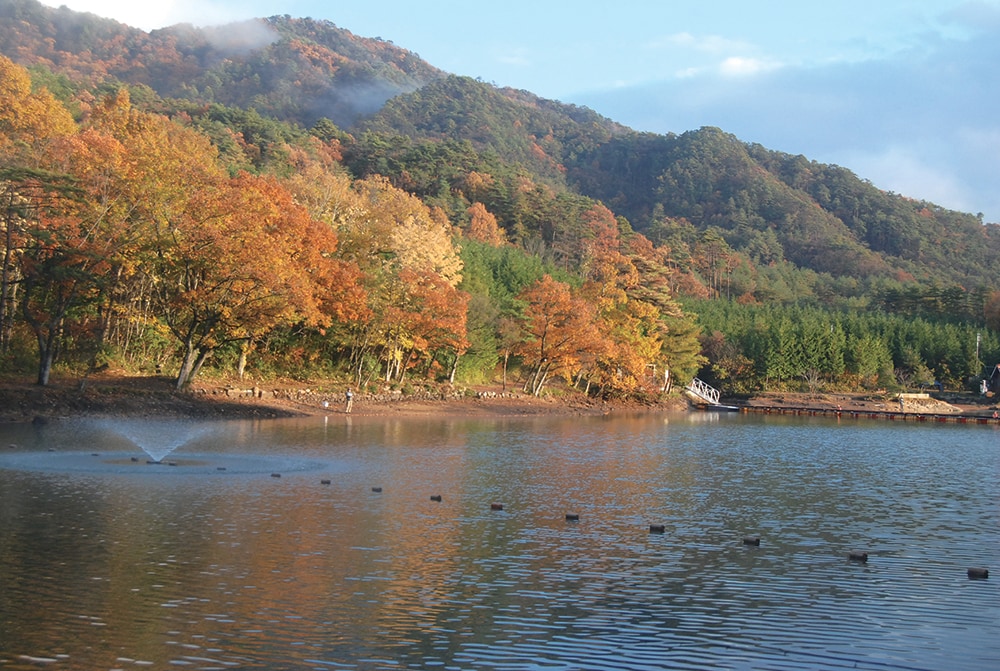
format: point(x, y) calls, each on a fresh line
point(283, 199)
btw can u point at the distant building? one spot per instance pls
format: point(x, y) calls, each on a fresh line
point(992, 379)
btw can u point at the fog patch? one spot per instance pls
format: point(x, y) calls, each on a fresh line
point(240, 39)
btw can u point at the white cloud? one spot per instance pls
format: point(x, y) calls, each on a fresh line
point(921, 122)
point(709, 44)
point(692, 56)
point(517, 57)
point(740, 66)
point(689, 73)
point(986, 140)
point(910, 171)
point(975, 16)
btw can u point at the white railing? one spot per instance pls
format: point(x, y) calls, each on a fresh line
point(705, 392)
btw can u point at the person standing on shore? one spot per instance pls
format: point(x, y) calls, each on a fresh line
point(350, 400)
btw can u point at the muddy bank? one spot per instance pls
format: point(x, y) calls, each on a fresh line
point(156, 397)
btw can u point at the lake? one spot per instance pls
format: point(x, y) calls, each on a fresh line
point(500, 543)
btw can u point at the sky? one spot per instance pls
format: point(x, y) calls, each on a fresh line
point(902, 92)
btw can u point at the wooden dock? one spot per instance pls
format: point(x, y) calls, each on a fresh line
point(886, 415)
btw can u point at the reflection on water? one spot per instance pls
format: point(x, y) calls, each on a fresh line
point(136, 567)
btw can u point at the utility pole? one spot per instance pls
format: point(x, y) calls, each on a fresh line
point(979, 366)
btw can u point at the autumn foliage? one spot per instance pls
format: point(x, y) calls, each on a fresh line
point(133, 237)
point(121, 145)
point(159, 235)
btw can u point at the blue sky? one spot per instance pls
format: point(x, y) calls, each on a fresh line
point(902, 92)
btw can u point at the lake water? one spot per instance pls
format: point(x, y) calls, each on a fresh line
point(110, 562)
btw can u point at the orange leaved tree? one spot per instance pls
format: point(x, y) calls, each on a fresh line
point(560, 330)
point(48, 260)
point(242, 259)
point(428, 319)
point(483, 226)
point(411, 269)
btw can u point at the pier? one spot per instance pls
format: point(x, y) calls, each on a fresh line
point(887, 415)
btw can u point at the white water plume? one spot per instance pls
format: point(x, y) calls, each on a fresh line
point(157, 438)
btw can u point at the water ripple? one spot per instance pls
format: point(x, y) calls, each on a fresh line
point(104, 571)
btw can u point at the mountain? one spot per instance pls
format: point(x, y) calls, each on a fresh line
point(520, 128)
point(293, 69)
point(824, 217)
point(769, 206)
point(543, 162)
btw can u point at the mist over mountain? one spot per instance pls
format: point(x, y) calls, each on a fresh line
point(292, 69)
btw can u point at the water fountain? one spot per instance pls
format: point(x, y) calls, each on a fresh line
point(169, 447)
point(157, 438)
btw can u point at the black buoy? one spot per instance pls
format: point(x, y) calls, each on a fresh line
point(95, 454)
point(436, 497)
point(496, 506)
point(134, 459)
point(275, 475)
point(978, 573)
point(324, 482)
point(657, 528)
point(858, 556)
point(572, 517)
point(751, 540)
point(377, 490)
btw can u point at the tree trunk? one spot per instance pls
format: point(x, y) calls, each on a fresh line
point(47, 335)
point(404, 365)
point(541, 383)
point(46, 355)
point(6, 314)
point(537, 381)
point(187, 365)
point(506, 357)
point(241, 364)
point(359, 372)
point(203, 355)
point(389, 357)
point(529, 380)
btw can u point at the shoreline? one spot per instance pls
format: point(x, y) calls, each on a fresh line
point(939, 404)
point(155, 397)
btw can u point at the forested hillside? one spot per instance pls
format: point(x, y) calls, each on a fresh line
point(283, 197)
point(768, 207)
point(291, 69)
